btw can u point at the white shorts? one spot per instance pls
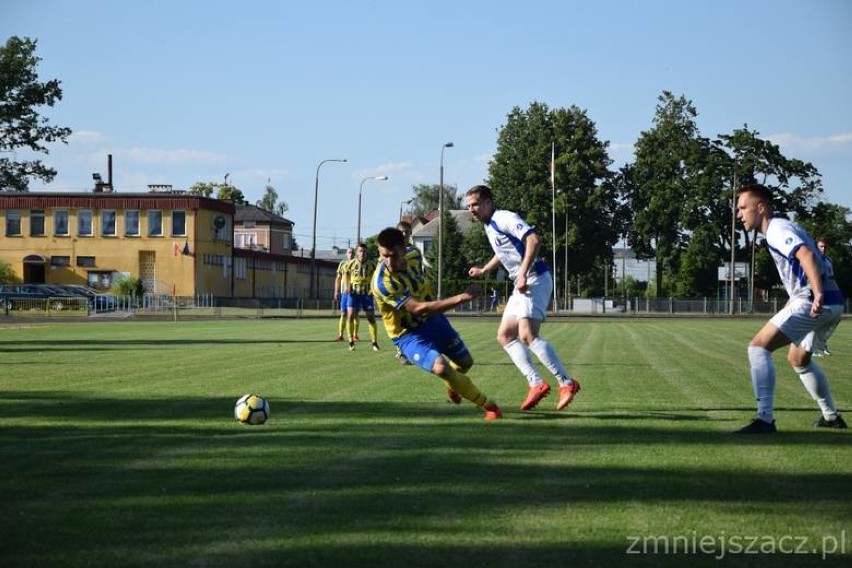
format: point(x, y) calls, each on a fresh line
point(811, 334)
point(533, 303)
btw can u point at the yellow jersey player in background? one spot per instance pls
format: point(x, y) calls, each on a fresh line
point(416, 324)
point(341, 291)
point(358, 273)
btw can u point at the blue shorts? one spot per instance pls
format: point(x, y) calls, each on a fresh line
point(360, 302)
point(344, 301)
point(435, 337)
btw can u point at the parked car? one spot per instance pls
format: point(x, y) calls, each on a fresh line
point(60, 296)
point(98, 301)
point(26, 296)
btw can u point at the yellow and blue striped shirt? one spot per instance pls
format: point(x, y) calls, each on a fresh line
point(359, 274)
point(392, 290)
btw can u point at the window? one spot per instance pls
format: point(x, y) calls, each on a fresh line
point(131, 223)
point(178, 223)
point(240, 268)
point(86, 261)
point(108, 222)
point(155, 223)
point(245, 240)
point(37, 222)
point(60, 261)
point(13, 222)
point(84, 223)
point(60, 222)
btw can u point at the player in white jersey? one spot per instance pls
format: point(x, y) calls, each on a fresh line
point(515, 245)
point(811, 314)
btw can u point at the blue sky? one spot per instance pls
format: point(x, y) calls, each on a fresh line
point(186, 91)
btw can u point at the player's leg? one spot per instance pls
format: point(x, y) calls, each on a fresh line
point(768, 339)
point(812, 375)
point(369, 309)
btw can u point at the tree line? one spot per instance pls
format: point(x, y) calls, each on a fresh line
point(673, 203)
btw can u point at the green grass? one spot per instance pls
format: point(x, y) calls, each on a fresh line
point(119, 449)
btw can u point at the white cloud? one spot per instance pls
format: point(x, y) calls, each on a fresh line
point(86, 137)
point(833, 144)
point(158, 156)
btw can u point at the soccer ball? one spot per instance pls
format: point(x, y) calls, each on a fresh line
point(251, 409)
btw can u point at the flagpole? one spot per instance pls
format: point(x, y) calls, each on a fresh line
point(553, 216)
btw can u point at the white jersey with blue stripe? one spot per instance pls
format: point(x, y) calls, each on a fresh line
point(506, 232)
point(783, 237)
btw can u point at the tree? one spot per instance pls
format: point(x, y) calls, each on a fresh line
point(665, 157)
point(270, 202)
point(425, 199)
point(21, 126)
point(586, 202)
point(7, 275)
point(224, 191)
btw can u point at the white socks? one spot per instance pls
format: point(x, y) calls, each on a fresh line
point(816, 384)
point(762, 381)
point(546, 354)
point(521, 358)
point(548, 357)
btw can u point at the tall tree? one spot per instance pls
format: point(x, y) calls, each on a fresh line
point(586, 202)
point(21, 126)
point(662, 185)
point(425, 199)
point(270, 202)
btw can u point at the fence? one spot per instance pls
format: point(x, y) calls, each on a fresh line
point(162, 305)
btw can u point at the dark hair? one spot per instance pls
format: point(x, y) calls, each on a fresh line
point(404, 226)
point(482, 191)
point(391, 238)
point(822, 240)
point(760, 191)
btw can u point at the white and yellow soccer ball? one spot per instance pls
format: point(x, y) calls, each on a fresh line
point(251, 409)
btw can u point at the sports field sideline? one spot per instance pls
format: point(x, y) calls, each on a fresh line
point(120, 449)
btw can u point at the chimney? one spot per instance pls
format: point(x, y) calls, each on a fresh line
point(109, 173)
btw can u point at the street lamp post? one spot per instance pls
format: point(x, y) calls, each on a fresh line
point(360, 189)
point(406, 202)
point(441, 222)
point(313, 291)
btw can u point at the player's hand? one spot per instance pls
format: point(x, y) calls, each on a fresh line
point(521, 283)
point(475, 272)
point(816, 306)
point(473, 291)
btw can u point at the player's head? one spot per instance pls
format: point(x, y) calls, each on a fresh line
point(822, 244)
point(480, 202)
point(405, 228)
point(754, 206)
point(350, 253)
point(392, 249)
point(361, 252)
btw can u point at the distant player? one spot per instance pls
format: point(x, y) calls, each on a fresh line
point(341, 291)
point(416, 324)
point(359, 272)
point(811, 314)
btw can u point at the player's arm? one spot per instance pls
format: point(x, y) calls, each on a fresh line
point(425, 308)
point(476, 272)
point(336, 285)
point(531, 244)
point(808, 262)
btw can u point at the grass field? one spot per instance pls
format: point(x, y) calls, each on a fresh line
point(119, 449)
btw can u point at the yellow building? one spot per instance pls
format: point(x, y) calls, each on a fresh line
point(173, 242)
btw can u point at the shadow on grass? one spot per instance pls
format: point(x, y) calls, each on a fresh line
point(89, 480)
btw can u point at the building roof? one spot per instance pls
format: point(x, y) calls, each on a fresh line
point(462, 217)
point(254, 213)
